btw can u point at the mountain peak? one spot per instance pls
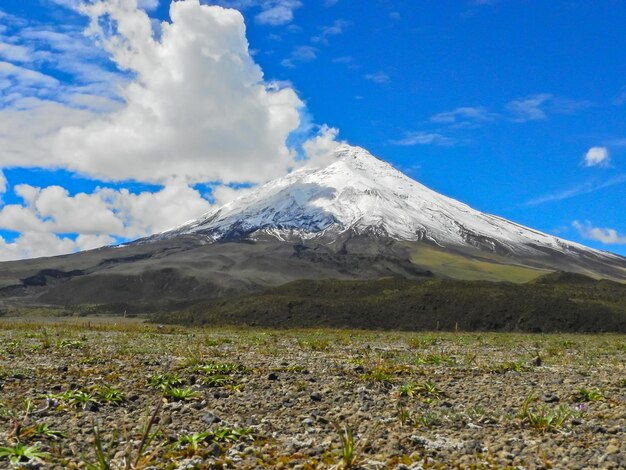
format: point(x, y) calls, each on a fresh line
point(358, 193)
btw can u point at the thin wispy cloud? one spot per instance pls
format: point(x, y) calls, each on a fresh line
point(300, 54)
point(540, 106)
point(530, 108)
point(424, 138)
point(326, 32)
point(379, 77)
point(273, 12)
point(466, 114)
point(585, 188)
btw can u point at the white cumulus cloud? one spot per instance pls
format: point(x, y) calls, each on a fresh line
point(191, 106)
point(198, 107)
point(597, 156)
point(608, 236)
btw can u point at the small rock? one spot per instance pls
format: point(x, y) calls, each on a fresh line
point(612, 449)
point(210, 418)
point(199, 405)
point(93, 407)
point(316, 396)
point(551, 398)
point(214, 449)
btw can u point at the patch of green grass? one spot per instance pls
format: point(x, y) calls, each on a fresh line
point(180, 394)
point(232, 434)
point(543, 418)
point(193, 441)
point(164, 381)
point(414, 389)
point(41, 429)
point(215, 381)
point(586, 395)
point(215, 368)
point(489, 267)
point(436, 359)
point(110, 394)
point(510, 366)
point(72, 344)
point(22, 453)
point(314, 344)
point(79, 398)
point(382, 376)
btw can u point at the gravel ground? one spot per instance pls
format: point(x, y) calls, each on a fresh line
point(235, 398)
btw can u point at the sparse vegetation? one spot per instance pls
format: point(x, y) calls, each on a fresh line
point(542, 417)
point(586, 395)
point(138, 398)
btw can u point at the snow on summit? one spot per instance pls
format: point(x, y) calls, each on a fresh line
point(361, 193)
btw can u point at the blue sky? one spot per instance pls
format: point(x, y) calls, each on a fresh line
point(517, 108)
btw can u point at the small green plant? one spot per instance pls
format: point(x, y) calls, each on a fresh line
point(133, 458)
point(442, 359)
point(431, 389)
point(214, 368)
point(21, 453)
point(404, 416)
point(166, 380)
point(110, 394)
point(215, 381)
point(428, 419)
point(41, 429)
point(413, 389)
point(349, 448)
point(584, 395)
point(180, 394)
point(193, 441)
point(544, 418)
point(232, 434)
point(419, 342)
point(79, 398)
point(382, 376)
point(410, 390)
point(71, 344)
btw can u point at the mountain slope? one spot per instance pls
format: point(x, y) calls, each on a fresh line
point(356, 218)
point(361, 194)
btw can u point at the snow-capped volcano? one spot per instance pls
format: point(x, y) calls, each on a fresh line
point(359, 193)
point(354, 219)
